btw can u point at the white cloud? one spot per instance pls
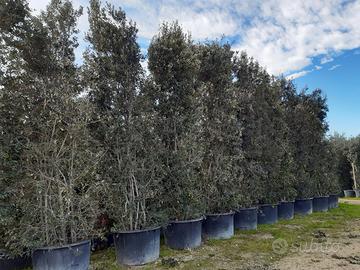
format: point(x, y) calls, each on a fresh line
point(334, 67)
point(318, 67)
point(298, 74)
point(283, 35)
point(326, 59)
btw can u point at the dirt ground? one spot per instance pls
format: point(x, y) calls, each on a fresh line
point(337, 251)
point(349, 201)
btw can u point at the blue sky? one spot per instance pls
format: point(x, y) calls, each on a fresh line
point(314, 42)
point(342, 88)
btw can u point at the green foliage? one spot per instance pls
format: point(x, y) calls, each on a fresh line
point(208, 130)
point(221, 130)
point(306, 119)
point(56, 185)
point(269, 174)
point(124, 120)
point(347, 156)
point(175, 97)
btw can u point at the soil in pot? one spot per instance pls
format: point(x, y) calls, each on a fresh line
point(69, 257)
point(286, 210)
point(333, 201)
point(218, 226)
point(137, 247)
point(246, 219)
point(303, 206)
point(267, 214)
point(16, 263)
point(183, 234)
point(349, 193)
point(321, 204)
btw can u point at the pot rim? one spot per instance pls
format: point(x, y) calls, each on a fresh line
point(287, 202)
point(138, 231)
point(64, 246)
point(185, 221)
point(307, 199)
point(221, 214)
point(268, 204)
point(321, 197)
point(247, 208)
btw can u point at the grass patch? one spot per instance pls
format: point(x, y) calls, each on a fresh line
point(245, 244)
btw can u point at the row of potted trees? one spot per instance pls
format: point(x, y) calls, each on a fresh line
point(142, 247)
point(107, 149)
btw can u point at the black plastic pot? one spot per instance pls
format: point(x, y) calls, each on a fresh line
point(286, 210)
point(16, 263)
point(303, 206)
point(321, 204)
point(183, 234)
point(70, 257)
point(246, 219)
point(349, 193)
point(137, 247)
point(357, 193)
point(333, 201)
point(268, 214)
point(219, 226)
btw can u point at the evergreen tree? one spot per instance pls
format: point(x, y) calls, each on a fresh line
point(249, 78)
point(347, 156)
point(14, 17)
point(55, 195)
point(221, 132)
point(124, 121)
point(306, 114)
point(268, 159)
point(174, 66)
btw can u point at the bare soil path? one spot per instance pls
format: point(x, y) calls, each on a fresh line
point(338, 251)
point(350, 201)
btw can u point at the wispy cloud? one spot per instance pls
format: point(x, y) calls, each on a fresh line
point(298, 74)
point(334, 67)
point(283, 35)
point(326, 59)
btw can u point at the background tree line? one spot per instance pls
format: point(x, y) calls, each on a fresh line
point(208, 130)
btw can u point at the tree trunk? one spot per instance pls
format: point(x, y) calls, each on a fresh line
point(354, 174)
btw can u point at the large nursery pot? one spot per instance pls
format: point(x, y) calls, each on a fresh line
point(349, 193)
point(268, 214)
point(70, 257)
point(183, 234)
point(246, 219)
point(333, 201)
point(286, 210)
point(321, 204)
point(219, 226)
point(16, 263)
point(137, 247)
point(303, 206)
